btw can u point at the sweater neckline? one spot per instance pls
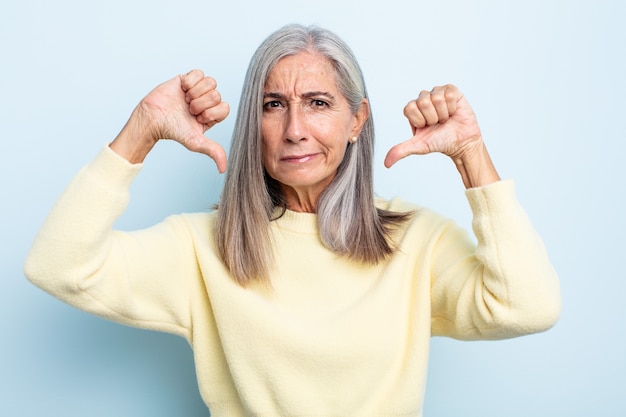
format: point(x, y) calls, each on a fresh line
point(296, 221)
point(304, 222)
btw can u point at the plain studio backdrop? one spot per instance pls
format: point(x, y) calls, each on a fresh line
point(546, 79)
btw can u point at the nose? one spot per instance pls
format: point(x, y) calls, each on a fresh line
point(296, 125)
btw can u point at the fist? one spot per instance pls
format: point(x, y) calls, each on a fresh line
point(441, 120)
point(182, 109)
point(203, 100)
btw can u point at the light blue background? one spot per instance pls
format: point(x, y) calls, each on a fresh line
point(546, 79)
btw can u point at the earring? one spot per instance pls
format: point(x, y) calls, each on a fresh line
point(353, 139)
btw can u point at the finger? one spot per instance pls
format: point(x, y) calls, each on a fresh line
point(213, 115)
point(413, 114)
point(452, 95)
point(404, 149)
point(217, 153)
point(212, 149)
point(427, 108)
point(209, 99)
point(438, 99)
point(201, 87)
point(191, 78)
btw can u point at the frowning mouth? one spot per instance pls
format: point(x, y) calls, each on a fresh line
point(298, 159)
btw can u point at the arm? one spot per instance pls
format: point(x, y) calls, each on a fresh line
point(503, 287)
point(506, 285)
point(141, 278)
point(125, 277)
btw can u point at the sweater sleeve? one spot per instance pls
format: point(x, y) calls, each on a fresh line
point(505, 286)
point(140, 278)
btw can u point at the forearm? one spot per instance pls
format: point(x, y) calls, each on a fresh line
point(78, 226)
point(504, 287)
point(122, 276)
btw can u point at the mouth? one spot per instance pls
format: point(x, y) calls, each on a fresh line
point(298, 159)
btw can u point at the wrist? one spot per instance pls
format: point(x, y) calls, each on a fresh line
point(134, 141)
point(476, 167)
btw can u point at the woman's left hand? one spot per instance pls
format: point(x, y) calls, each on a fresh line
point(443, 121)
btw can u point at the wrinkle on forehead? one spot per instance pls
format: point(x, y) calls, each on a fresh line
point(297, 76)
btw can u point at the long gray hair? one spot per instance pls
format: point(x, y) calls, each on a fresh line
point(349, 222)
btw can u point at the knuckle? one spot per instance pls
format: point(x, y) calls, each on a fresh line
point(438, 97)
point(222, 112)
point(192, 93)
point(210, 82)
point(418, 120)
point(192, 77)
point(451, 91)
point(424, 99)
point(209, 116)
point(194, 107)
point(409, 108)
point(215, 96)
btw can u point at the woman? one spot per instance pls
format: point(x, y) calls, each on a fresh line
point(302, 294)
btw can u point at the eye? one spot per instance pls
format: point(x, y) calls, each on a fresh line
point(319, 103)
point(271, 104)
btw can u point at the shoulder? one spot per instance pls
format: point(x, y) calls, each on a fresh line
point(201, 220)
point(397, 204)
point(195, 229)
point(198, 226)
point(422, 218)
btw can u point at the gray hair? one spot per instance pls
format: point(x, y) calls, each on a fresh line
point(349, 222)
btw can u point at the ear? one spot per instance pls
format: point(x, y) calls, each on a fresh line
point(360, 117)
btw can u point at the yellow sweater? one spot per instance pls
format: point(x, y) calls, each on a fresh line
point(330, 337)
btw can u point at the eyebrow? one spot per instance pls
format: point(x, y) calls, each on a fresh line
point(310, 94)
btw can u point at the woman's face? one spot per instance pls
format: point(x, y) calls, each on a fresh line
point(306, 126)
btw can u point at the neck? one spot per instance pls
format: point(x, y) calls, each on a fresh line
point(302, 200)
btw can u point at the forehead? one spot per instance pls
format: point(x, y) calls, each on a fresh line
point(303, 71)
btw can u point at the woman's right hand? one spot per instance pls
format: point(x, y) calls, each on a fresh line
point(180, 109)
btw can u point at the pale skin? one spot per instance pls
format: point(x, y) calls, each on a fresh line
point(307, 125)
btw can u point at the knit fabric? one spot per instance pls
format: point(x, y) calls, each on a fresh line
point(329, 336)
